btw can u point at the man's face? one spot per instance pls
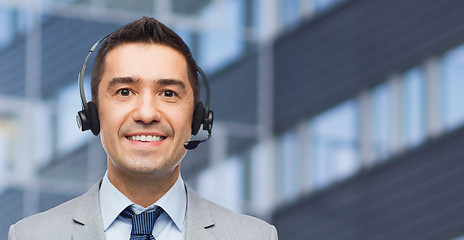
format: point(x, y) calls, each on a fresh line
point(145, 106)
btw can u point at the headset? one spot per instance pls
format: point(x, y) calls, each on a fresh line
point(87, 118)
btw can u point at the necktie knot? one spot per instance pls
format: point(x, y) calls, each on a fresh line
point(143, 223)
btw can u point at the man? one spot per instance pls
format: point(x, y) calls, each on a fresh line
point(145, 87)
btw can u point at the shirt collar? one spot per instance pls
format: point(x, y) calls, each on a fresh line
point(113, 202)
point(174, 203)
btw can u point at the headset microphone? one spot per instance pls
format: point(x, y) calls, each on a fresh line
point(194, 143)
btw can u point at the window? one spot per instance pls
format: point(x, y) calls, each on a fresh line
point(381, 121)
point(334, 144)
point(458, 238)
point(261, 177)
point(8, 138)
point(25, 139)
point(223, 41)
point(289, 169)
point(224, 183)
point(322, 5)
point(290, 12)
point(69, 137)
point(413, 107)
point(41, 119)
point(452, 72)
point(6, 27)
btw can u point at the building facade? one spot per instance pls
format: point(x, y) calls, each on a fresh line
point(334, 119)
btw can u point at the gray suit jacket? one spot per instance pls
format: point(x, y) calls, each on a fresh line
point(80, 219)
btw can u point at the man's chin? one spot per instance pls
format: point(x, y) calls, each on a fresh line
point(148, 169)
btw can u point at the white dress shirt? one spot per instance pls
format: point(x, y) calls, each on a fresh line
point(169, 225)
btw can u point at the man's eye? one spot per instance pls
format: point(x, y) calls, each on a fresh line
point(124, 92)
point(169, 93)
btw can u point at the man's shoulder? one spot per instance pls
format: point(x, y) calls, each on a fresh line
point(223, 214)
point(229, 223)
point(63, 210)
point(247, 227)
point(55, 222)
point(58, 218)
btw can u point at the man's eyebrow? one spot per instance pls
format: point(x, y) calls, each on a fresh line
point(122, 80)
point(171, 82)
point(130, 80)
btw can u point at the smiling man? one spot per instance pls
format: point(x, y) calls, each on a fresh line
point(145, 96)
point(147, 116)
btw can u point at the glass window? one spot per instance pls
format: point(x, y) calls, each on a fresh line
point(6, 27)
point(459, 238)
point(413, 108)
point(335, 144)
point(12, 23)
point(381, 121)
point(322, 5)
point(290, 12)
point(41, 116)
point(69, 137)
point(8, 136)
point(261, 185)
point(224, 183)
point(256, 14)
point(453, 84)
point(289, 166)
point(21, 21)
point(223, 41)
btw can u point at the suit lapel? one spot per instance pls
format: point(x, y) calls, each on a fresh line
point(199, 218)
point(87, 216)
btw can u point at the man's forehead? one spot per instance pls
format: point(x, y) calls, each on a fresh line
point(145, 45)
point(135, 56)
point(117, 58)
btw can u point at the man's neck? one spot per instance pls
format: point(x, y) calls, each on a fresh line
point(141, 189)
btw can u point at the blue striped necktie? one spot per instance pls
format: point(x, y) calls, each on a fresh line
point(143, 223)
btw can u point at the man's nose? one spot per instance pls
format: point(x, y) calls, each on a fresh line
point(147, 109)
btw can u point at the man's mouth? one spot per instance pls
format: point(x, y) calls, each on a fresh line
point(146, 138)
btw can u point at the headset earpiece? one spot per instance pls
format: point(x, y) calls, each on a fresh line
point(94, 121)
point(87, 119)
point(82, 120)
point(198, 117)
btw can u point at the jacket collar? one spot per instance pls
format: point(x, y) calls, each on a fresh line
point(199, 218)
point(87, 216)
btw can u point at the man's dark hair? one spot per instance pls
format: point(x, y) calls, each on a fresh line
point(144, 30)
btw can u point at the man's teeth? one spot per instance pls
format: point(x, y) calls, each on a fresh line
point(146, 138)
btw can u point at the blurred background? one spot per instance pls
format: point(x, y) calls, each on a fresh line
point(334, 119)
